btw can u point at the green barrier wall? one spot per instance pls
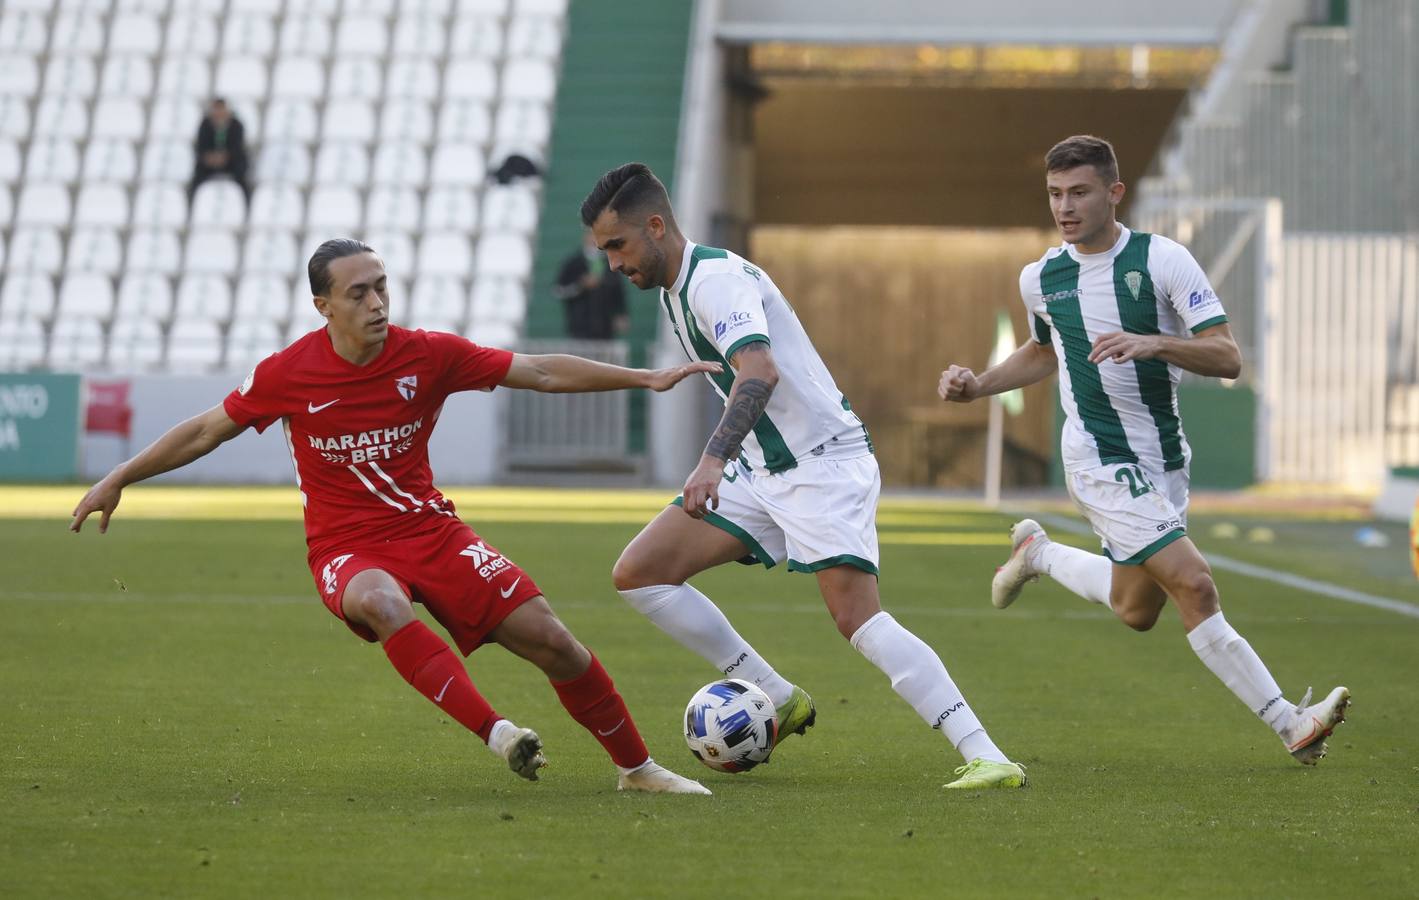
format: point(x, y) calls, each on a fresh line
point(39, 427)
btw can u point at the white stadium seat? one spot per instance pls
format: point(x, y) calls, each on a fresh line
point(381, 8)
point(458, 165)
point(35, 249)
point(356, 77)
point(167, 160)
point(407, 120)
point(539, 7)
point(9, 167)
point(393, 208)
point(246, 109)
point(529, 79)
point(464, 122)
point(240, 76)
point(106, 159)
point(476, 36)
point(270, 251)
point(93, 249)
point(445, 253)
point(61, 117)
point(510, 208)
point(102, 204)
point(194, 32)
point(187, 79)
point(127, 76)
point(342, 162)
point(303, 318)
point(52, 159)
point(86, 296)
point(26, 296)
point(401, 164)
point(472, 78)
point(194, 346)
point(293, 120)
point(412, 79)
point(248, 35)
point(264, 296)
point(155, 7)
point(420, 35)
point(305, 35)
point(210, 251)
point(174, 119)
point(34, 6)
point(499, 300)
point(539, 37)
point(265, 7)
point(14, 117)
point(400, 305)
point(145, 296)
point(396, 248)
point(425, 9)
point(492, 334)
point(451, 209)
point(348, 120)
point(219, 202)
point(298, 77)
point(23, 31)
point(154, 250)
point(449, 326)
point(7, 205)
point(204, 297)
point(504, 255)
point(158, 205)
point(134, 345)
point(249, 341)
point(19, 76)
point(277, 206)
point(362, 35)
point(21, 344)
point(523, 123)
point(439, 298)
point(70, 75)
point(134, 33)
point(325, 8)
point(43, 204)
point(335, 209)
point(284, 162)
point(120, 117)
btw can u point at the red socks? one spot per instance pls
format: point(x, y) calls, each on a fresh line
point(592, 700)
point(435, 671)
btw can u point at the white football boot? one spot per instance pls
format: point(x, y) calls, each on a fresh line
point(1306, 735)
point(1025, 537)
point(654, 778)
point(521, 747)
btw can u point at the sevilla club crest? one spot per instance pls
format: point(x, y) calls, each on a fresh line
point(407, 386)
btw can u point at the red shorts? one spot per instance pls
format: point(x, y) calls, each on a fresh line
point(468, 586)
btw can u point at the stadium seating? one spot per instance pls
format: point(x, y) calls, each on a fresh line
point(376, 119)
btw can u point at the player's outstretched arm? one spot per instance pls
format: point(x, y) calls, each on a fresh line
point(1030, 363)
point(754, 381)
point(1211, 352)
point(562, 374)
point(182, 443)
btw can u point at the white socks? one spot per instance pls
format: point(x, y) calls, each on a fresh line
point(1089, 575)
point(691, 618)
point(1233, 660)
point(919, 677)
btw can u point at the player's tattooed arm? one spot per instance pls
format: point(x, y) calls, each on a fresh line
point(754, 384)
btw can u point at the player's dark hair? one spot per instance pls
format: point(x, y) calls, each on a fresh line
point(632, 187)
point(319, 267)
point(1084, 150)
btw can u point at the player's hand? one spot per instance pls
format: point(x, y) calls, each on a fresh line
point(104, 497)
point(958, 384)
point(665, 379)
point(1121, 347)
point(701, 490)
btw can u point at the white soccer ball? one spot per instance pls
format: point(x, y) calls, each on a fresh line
point(731, 725)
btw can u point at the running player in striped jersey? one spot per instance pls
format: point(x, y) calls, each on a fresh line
point(787, 475)
point(357, 401)
point(1119, 315)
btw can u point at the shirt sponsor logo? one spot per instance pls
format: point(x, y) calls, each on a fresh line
point(376, 444)
point(1199, 299)
point(406, 386)
point(1071, 294)
point(488, 561)
point(735, 320)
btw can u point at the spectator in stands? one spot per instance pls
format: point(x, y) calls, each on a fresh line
point(594, 296)
point(221, 149)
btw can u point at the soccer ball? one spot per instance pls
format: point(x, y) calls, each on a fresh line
point(731, 725)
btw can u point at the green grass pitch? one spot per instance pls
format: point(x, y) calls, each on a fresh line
point(180, 717)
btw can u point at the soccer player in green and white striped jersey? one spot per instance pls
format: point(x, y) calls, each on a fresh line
point(1119, 315)
point(787, 475)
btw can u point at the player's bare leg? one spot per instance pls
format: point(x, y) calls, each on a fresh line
point(651, 575)
point(1183, 572)
point(373, 598)
point(917, 674)
point(533, 632)
point(1135, 597)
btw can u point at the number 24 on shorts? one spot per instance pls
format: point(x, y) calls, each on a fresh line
point(1138, 484)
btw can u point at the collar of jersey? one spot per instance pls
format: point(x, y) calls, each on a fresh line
point(684, 268)
point(1115, 250)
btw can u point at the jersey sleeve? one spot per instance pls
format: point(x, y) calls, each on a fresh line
point(733, 311)
point(259, 400)
point(1030, 295)
point(468, 366)
point(1184, 285)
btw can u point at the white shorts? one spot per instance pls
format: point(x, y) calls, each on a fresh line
point(819, 514)
point(1135, 513)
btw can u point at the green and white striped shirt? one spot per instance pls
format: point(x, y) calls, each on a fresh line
point(719, 303)
point(1144, 284)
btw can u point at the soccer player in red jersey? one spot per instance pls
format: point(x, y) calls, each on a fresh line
point(357, 401)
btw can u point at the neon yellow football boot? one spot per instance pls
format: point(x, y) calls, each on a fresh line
point(982, 774)
point(796, 715)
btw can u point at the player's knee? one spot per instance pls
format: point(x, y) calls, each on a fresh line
point(1140, 617)
point(632, 571)
point(1199, 592)
point(381, 608)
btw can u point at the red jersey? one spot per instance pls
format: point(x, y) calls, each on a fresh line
point(359, 435)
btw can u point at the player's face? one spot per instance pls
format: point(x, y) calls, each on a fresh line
point(358, 305)
point(632, 248)
point(1082, 205)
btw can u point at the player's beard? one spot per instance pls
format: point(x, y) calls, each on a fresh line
point(653, 265)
